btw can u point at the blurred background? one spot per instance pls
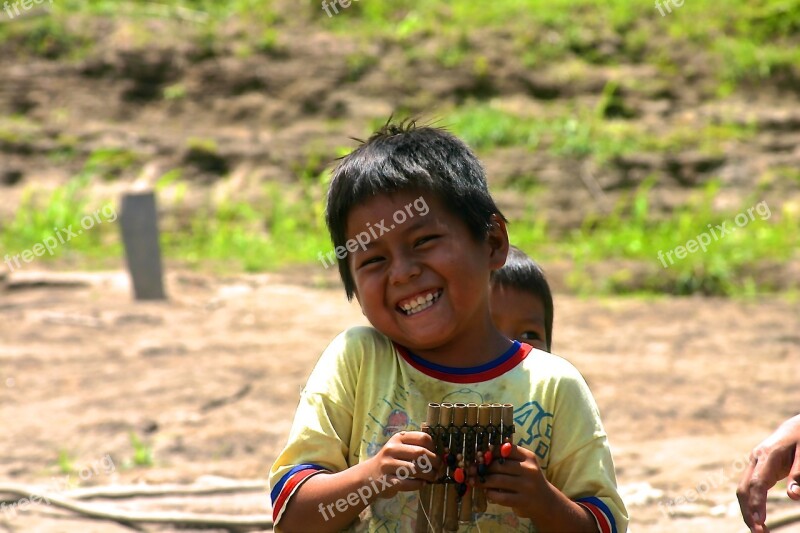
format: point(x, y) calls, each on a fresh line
point(612, 133)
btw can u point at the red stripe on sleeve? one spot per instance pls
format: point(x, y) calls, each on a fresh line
point(289, 488)
point(600, 517)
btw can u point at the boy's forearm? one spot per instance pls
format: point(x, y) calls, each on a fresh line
point(555, 512)
point(313, 507)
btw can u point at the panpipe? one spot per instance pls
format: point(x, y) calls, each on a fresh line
point(464, 435)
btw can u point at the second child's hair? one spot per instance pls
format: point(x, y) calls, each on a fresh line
point(400, 157)
point(522, 273)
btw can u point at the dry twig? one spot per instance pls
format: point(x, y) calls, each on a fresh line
point(131, 518)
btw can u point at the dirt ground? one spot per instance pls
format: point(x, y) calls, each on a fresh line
point(210, 380)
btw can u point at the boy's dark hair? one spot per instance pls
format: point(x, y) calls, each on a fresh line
point(402, 156)
point(523, 273)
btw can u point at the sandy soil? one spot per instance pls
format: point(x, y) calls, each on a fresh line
point(210, 380)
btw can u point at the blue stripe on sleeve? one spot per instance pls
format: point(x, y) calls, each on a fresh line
point(276, 490)
point(594, 500)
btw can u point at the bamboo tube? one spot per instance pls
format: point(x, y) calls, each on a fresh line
point(437, 507)
point(484, 419)
point(508, 414)
point(465, 513)
point(438, 496)
point(495, 437)
point(446, 414)
point(484, 414)
point(433, 414)
point(451, 508)
point(424, 503)
point(459, 414)
point(507, 427)
point(472, 414)
point(456, 447)
point(497, 414)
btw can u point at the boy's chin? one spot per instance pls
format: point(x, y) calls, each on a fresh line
point(423, 340)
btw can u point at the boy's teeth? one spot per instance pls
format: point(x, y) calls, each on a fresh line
point(420, 303)
point(418, 308)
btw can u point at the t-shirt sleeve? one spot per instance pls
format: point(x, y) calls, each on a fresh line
point(318, 440)
point(581, 465)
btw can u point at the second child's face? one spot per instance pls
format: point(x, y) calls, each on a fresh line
point(423, 282)
point(519, 315)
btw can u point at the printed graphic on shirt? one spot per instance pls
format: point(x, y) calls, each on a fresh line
point(534, 429)
point(398, 420)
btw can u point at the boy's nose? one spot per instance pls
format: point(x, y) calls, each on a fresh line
point(403, 270)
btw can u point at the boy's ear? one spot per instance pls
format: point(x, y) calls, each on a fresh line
point(497, 238)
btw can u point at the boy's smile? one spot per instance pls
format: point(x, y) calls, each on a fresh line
point(424, 284)
point(419, 302)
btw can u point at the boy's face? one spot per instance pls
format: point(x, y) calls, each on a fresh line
point(424, 282)
point(519, 315)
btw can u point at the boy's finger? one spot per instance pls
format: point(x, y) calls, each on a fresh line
point(518, 453)
point(419, 438)
point(743, 495)
point(420, 455)
point(793, 482)
point(506, 499)
point(503, 482)
point(509, 467)
point(411, 465)
point(406, 484)
point(763, 478)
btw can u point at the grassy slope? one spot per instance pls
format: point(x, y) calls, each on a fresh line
point(747, 42)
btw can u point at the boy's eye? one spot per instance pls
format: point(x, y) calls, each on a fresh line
point(530, 336)
point(370, 261)
point(423, 240)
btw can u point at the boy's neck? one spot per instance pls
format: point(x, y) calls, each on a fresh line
point(475, 348)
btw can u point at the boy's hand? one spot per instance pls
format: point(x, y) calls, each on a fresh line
point(404, 463)
point(518, 483)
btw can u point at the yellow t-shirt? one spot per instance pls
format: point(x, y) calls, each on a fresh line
point(364, 389)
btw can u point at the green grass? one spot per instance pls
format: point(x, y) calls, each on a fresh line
point(632, 234)
point(109, 163)
point(66, 464)
point(745, 41)
point(582, 131)
point(142, 451)
point(57, 217)
point(286, 228)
